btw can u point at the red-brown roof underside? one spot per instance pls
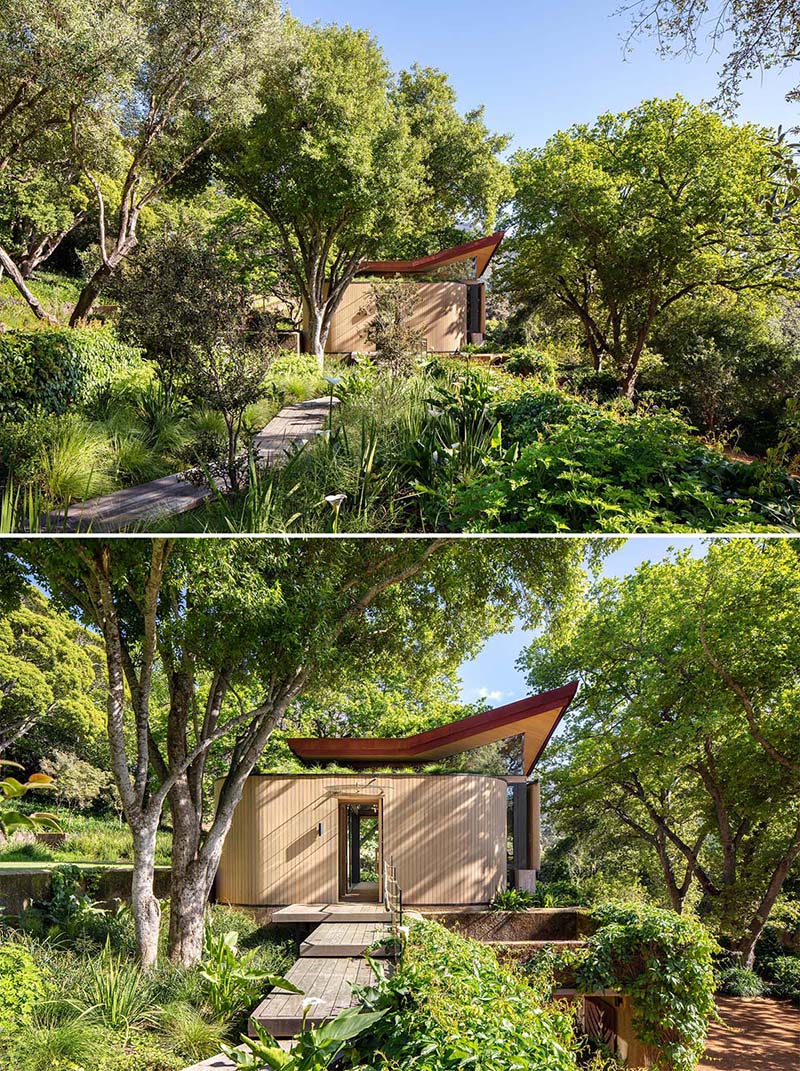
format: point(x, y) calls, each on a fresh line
point(483, 249)
point(535, 717)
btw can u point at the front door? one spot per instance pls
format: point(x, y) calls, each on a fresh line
point(360, 850)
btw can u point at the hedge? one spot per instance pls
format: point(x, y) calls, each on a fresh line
point(52, 371)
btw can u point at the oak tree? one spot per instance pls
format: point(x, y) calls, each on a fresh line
point(618, 221)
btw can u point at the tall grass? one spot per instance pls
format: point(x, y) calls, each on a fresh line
point(78, 463)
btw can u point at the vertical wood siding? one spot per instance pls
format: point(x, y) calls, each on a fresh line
point(446, 835)
point(440, 316)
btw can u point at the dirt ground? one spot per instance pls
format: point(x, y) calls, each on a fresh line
point(759, 1035)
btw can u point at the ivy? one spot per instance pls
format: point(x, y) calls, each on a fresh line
point(663, 962)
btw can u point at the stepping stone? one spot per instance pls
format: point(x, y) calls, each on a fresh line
point(345, 939)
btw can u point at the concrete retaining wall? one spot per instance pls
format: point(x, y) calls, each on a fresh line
point(19, 887)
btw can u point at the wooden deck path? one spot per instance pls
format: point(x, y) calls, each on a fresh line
point(339, 939)
point(331, 913)
point(168, 496)
point(328, 980)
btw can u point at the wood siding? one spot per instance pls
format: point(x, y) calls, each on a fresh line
point(440, 316)
point(446, 835)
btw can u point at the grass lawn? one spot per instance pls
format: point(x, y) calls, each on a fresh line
point(90, 840)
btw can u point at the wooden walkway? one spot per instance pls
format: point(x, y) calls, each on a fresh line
point(330, 981)
point(150, 503)
point(338, 939)
point(320, 913)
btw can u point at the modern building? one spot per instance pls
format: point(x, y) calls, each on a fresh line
point(451, 298)
point(323, 838)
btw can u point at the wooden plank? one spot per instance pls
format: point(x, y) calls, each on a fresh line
point(348, 939)
point(329, 980)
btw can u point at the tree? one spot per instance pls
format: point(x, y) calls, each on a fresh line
point(192, 313)
point(397, 341)
point(759, 34)
point(328, 159)
point(687, 728)
point(465, 180)
point(196, 72)
point(349, 164)
point(178, 296)
point(241, 629)
point(50, 679)
point(619, 221)
point(229, 378)
point(733, 364)
point(59, 61)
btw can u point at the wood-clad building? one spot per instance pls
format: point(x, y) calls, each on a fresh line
point(451, 299)
point(446, 835)
point(320, 838)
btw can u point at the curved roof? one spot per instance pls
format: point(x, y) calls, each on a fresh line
point(482, 249)
point(535, 718)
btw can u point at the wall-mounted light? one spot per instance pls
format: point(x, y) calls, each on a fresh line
point(319, 830)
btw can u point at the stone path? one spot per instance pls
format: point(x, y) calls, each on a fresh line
point(145, 505)
point(757, 1035)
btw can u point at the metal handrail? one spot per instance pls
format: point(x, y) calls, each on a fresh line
point(392, 895)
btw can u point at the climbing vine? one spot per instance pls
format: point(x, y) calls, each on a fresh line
point(663, 962)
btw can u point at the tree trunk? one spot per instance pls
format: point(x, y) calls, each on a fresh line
point(317, 334)
point(8, 264)
point(144, 904)
point(747, 945)
point(89, 295)
point(189, 893)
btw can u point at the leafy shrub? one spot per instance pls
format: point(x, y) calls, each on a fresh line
point(512, 900)
point(558, 894)
point(529, 362)
point(783, 975)
point(781, 933)
point(740, 982)
point(52, 371)
point(22, 987)
point(663, 961)
point(574, 467)
point(450, 1004)
point(232, 979)
point(77, 782)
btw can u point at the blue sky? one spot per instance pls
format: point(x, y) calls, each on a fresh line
point(540, 66)
point(492, 675)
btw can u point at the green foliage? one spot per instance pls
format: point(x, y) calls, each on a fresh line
point(13, 819)
point(512, 900)
point(574, 467)
point(232, 979)
point(605, 221)
point(663, 961)
point(56, 370)
point(116, 994)
point(531, 363)
point(22, 987)
point(739, 982)
point(189, 1032)
point(50, 668)
point(783, 975)
point(559, 894)
point(77, 783)
point(450, 1005)
point(659, 742)
point(316, 1048)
